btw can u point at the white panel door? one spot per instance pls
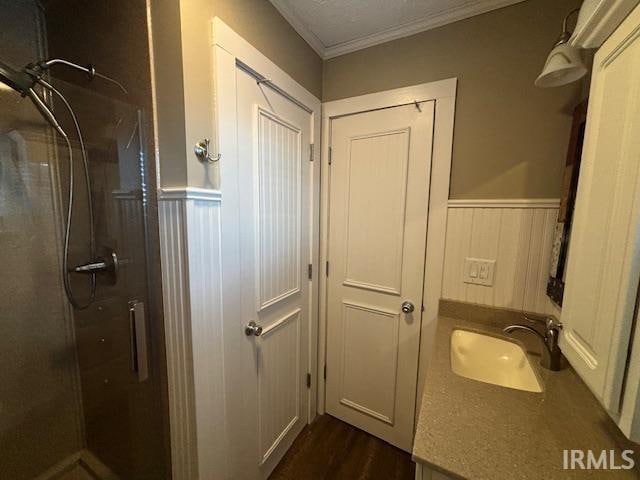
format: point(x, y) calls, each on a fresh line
point(604, 255)
point(274, 223)
point(379, 191)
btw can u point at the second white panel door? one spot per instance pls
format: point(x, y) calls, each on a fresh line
point(379, 191)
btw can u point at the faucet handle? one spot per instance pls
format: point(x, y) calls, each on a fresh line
point(552, 323)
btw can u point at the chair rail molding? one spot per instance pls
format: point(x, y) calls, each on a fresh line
point(505, 203)
point(190, 252)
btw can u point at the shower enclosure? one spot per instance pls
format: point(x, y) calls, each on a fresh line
point(82, 391)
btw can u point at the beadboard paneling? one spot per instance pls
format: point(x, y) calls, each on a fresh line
point(191, 283)
point(175, 294)
point(279, 209)
point(518, 234)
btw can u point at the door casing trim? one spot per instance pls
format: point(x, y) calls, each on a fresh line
point(443, 92)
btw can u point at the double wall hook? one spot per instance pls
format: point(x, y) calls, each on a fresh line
point(201, 150)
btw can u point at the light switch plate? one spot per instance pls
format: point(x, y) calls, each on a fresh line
point(479, 271)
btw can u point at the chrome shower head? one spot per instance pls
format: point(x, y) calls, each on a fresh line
point(23, 83)
point(24, 80)
point(37, 69)
point(20, 81)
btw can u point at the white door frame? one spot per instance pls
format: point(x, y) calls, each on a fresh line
point(443, 92)
point(231, 51)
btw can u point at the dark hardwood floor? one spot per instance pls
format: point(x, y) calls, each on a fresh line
point(333, 450)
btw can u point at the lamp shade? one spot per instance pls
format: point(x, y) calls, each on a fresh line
point(564, 65)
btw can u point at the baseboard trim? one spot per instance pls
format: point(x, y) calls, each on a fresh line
point(84, 460)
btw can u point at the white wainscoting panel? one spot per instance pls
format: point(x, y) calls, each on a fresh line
point(191, 285)
point(518, 234)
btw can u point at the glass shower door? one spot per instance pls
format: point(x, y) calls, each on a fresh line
point(82, 391)
point(40, 406)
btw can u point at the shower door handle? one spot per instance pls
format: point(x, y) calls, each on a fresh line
point(138, 326)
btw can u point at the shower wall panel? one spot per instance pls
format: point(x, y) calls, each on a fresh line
point(40, 411)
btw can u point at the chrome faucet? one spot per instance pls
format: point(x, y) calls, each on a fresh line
point(551, 353)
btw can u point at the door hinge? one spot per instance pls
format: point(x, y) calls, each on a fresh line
point(327, 269)
point(325, 371)
point(308, 380)
point(330, 155)
point(311, 152)
point(310, 271)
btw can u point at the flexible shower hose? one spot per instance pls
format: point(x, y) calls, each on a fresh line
point(69, 216)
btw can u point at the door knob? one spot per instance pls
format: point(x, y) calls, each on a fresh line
point(407, 307)
point(253, 329)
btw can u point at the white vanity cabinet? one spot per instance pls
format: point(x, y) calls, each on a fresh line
point(604, 258)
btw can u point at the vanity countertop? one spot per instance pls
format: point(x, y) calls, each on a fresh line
point(475, 430)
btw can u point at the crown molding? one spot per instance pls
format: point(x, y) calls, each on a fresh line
point(429, 22)
point(299, 26)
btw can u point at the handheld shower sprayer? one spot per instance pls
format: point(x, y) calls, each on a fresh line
point(30, 75)
point(24, 82)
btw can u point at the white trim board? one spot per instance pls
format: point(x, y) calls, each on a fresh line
point(189, 193)
point(505, 203)
point(83, 460)
point(439, 90)
point(227, 39)
point(429, 22)
point(443, 92)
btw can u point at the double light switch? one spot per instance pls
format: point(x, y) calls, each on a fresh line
point(479, 271)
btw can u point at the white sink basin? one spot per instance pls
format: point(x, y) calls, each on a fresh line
point(492, 360)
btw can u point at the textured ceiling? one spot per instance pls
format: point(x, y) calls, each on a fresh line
point(334, 27)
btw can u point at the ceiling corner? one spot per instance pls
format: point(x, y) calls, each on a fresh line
point(299, 26)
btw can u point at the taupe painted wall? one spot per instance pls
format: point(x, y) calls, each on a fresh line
point(185, 75)
point(510, 137)
point(258, 22)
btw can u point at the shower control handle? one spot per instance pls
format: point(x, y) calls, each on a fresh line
point(93, 267)
point(107, 264)
point(407, 307)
